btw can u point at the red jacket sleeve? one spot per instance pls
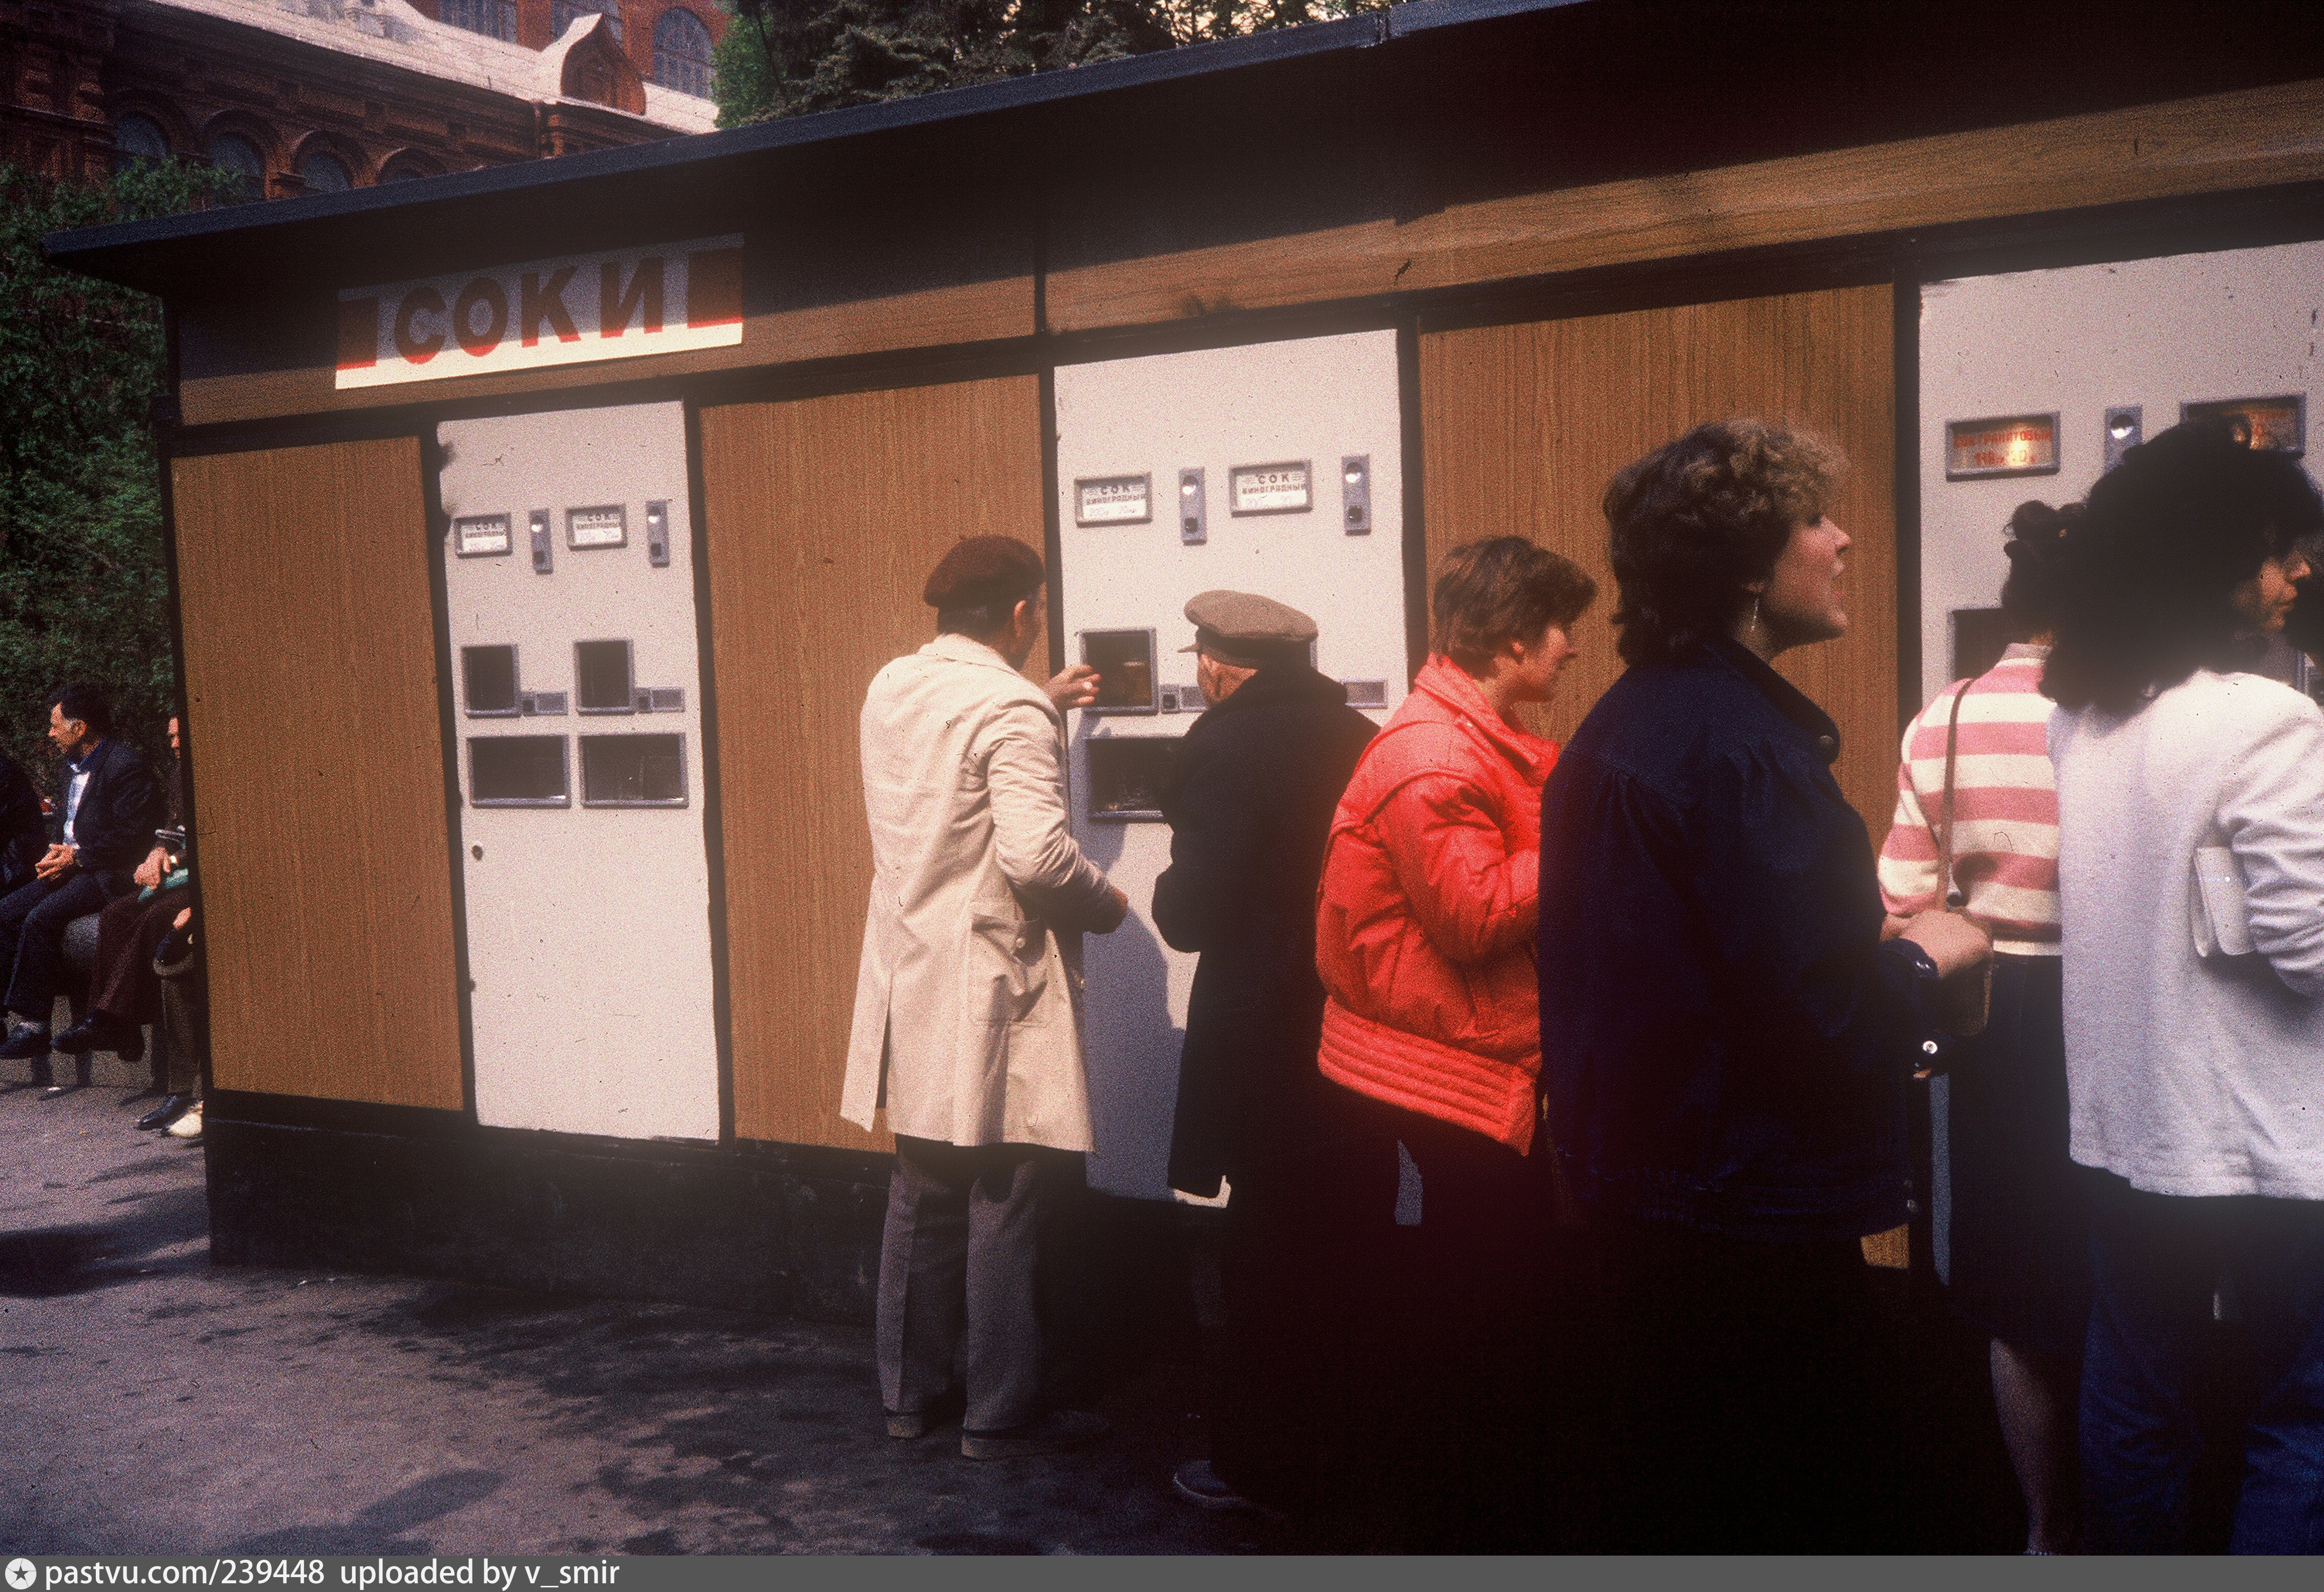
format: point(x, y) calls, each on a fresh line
point(1473, 897)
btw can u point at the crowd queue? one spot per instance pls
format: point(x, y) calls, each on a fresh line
point(1554, 1089)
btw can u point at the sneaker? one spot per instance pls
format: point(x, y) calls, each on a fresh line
point(1199, 1485)
point(1054, 1433)
point(912, 1425)
point(188, 1127)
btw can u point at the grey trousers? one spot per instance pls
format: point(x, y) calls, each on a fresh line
point(957, 1273)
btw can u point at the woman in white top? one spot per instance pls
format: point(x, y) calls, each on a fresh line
point(2196, 1081)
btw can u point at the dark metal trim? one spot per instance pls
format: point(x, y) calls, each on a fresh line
point(1906, 313)
point(1053, 534)
point(164, 436)
point(714, 820)
point(1412, 461)
point(418, 1121)
point(448, 722)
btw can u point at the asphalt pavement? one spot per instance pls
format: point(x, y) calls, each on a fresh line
point(155, 1404)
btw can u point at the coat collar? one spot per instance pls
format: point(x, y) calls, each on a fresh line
point(1446, 683)
point(955, 648)
point(1283, 683)
point(1786, 697)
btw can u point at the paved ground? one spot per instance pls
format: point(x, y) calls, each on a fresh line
point(153, 1403)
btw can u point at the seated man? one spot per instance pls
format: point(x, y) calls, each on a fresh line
point(123, 992)
point(105, 827)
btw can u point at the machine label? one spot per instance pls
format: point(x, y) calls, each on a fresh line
point(624, 304)
point(1272, 489)
point(1114, 500)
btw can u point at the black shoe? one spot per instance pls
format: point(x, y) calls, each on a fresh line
point(57, 1090)
point(166, 1113)
point(26, 1041)
point(97, 1032)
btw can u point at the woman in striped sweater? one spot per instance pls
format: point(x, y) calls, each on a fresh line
point(2020, 1245)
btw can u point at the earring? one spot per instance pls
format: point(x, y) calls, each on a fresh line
point(1754, 616)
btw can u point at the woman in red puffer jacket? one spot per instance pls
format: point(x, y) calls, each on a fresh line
point(1424, 939)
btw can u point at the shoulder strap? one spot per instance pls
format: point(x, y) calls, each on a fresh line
point(1945, 829)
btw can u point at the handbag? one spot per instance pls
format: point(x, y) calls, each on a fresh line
point(1965, 1000)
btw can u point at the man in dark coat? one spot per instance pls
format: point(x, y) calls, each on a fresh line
point(1250, 802)
point(105, 823)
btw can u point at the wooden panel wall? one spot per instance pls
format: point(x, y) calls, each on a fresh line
point(318, 773)
point(2248, 139)
point(1523, 426)
point(824, 519)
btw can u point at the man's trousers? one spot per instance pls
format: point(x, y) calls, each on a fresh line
point(957, 1274)
point(33, 934)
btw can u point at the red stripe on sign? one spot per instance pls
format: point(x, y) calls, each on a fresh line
point(358, 333)
point(714, 288)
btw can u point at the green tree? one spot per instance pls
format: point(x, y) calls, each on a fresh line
point(82, 589)
point(784, 58)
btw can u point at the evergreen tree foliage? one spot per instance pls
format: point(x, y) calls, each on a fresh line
point(82, 589)
point(786, 58)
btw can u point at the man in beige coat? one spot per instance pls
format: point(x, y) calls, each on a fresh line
point(968, 1023)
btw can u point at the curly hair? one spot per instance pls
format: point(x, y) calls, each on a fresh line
point(2154, 563)
point(1502, 589)
point(1698, 517)
point(2036, 586)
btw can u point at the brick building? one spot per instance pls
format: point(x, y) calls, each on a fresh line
point(314, 95)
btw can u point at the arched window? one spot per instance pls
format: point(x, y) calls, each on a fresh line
point(231, 152)
point(494, 19)
point(562, 12)
point(324, 173)
point(682, 53)
point(138, 138)
point(403, 169)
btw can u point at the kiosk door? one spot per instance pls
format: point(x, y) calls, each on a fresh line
point(1272, 469)
point(575, 680)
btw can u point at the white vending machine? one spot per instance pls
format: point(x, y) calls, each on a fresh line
point(1273, 469)
point(577, 671)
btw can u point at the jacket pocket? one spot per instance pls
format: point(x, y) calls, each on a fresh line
point(1006, 966)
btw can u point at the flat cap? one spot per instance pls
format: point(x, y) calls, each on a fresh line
point(983, 569)
point(1246, 630)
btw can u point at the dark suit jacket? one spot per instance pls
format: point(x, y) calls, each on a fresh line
point(120, 809)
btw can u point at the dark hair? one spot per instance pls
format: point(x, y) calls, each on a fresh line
point(2037, 566)
point(2153, 563)
point(81, 700)
point(1501, 589)
point(1698, 517)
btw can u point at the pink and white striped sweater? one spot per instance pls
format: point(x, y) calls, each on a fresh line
point(2005, 808)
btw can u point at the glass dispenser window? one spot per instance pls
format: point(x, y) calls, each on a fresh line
point(1124, 662)
point(518, 771)
point(601, 676)
point(632, 770)
point(1126, 777)
point(488, 680)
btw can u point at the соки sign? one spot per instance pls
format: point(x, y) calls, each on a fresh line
point(621, 305)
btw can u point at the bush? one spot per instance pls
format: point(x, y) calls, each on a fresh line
point(82, 590)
